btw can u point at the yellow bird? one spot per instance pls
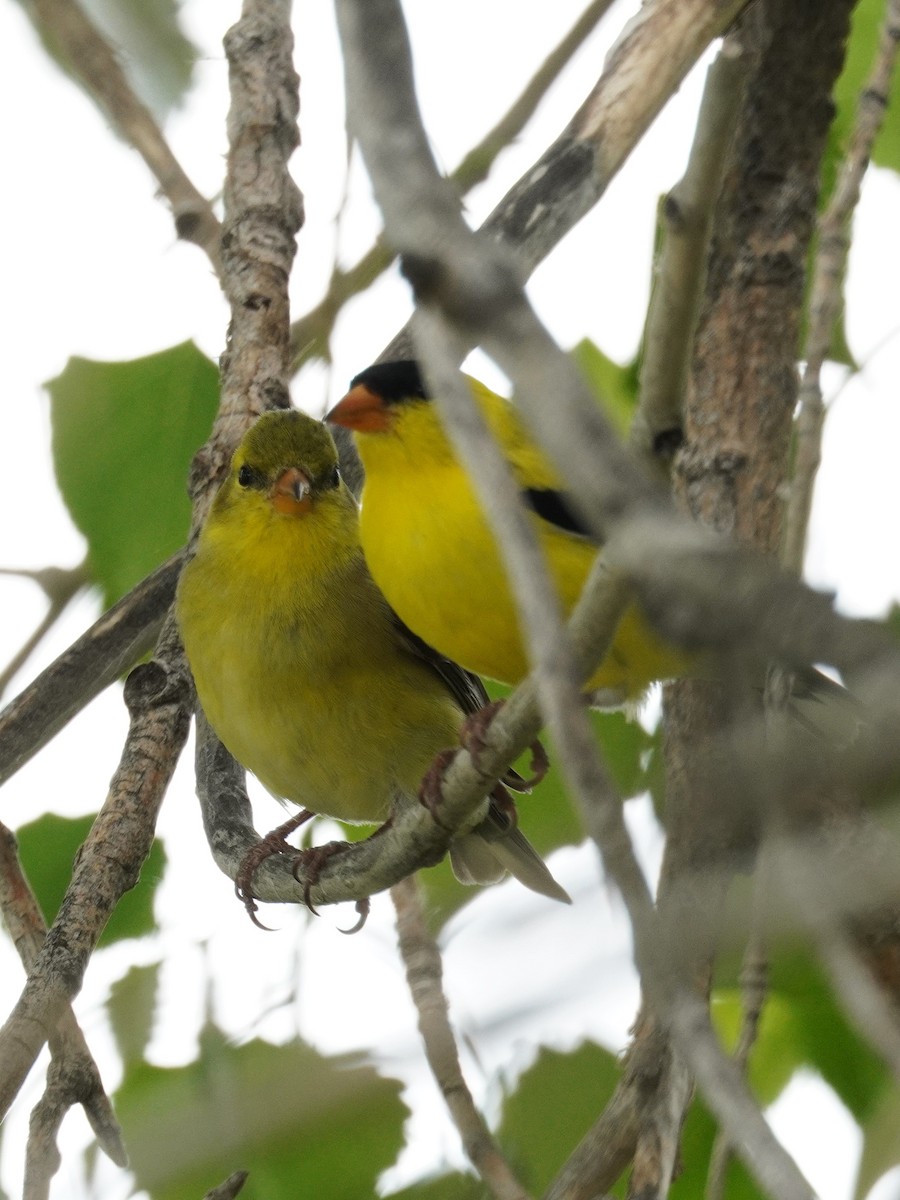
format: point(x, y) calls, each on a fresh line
point(303, 670)
point(430, 547)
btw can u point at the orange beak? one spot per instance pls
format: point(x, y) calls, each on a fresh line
point(361, 410)
point(291, 493)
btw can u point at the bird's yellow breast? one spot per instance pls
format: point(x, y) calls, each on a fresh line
point(300, 672)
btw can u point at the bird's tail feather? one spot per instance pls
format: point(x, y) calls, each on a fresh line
point(483, 856)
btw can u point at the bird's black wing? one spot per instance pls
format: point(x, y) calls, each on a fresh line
point(464, 686)
point(466, 689)
point(557, 510)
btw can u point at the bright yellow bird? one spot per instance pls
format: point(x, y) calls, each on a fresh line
point(432, 552)
point(303, 670)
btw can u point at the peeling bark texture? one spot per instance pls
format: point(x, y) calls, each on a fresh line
point(732, 471)
point(744, 385)
point(263, 213)
point(158, 695)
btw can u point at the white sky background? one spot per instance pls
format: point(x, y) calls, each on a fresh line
point(92, 268)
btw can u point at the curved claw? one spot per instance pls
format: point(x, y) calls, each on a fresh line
point(274, 842)
point(473, 736)
point(540, 765)
point(312, 861)
point(362, 907)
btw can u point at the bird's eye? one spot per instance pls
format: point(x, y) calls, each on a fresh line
point(335, 477)
point(245, 476)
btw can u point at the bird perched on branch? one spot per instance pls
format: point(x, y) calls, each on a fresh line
point(431, 549)
point(303, 670)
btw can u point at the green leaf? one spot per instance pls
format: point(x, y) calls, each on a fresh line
point(551, 1109)
point(615, 386)
point(881, 1146)
point(132, 1007)
point(626, 747)
point(775, 1055)
point(146, 38)
point(697, 1138)
point(47, 848)
point(123, 438)
point(821, 1035)
point(300, 1123)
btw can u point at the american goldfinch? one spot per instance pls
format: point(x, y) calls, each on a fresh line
point(303, 670)
point(430, 547)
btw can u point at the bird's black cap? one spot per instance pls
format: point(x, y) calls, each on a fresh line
point(394, 382)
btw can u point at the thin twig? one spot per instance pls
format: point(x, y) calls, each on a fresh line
point(826, 293)
point(60, 586)
point(754, 984)
point(424, 974)
point(92, 60)
point(680, 271)
point(310, 333)
point(112, 645)
point(646, 66)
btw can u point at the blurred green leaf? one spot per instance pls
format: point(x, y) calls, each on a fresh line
point(881, 1142)
point(132, 1008)
point(862, 49)
point(552, 1107)
point(821, 1035)
point(148, 42)
point(626, 747)
point(300, 1123)
point(615, 386)
point(48, 847)
point(775, 1055)
point(123, 438)
point(697, 1138)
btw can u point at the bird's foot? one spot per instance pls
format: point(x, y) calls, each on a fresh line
point(431, 790)
point(273, 843)
point(312, 861)
point(474, 737)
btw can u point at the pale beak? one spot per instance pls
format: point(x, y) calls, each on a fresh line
point(291, 493)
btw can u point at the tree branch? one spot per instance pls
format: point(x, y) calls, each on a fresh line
point(59, 586)
point(93, 62)
point(74, 1076)
point(158, 698)
point(680, 271)
point(311, 332)
point(113, 643)
point(424, 974)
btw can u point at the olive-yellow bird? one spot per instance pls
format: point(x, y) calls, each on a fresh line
point(431, 549)
point(303, 670)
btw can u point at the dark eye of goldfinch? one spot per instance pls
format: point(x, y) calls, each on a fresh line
point(245, 476)
point(335, 477)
